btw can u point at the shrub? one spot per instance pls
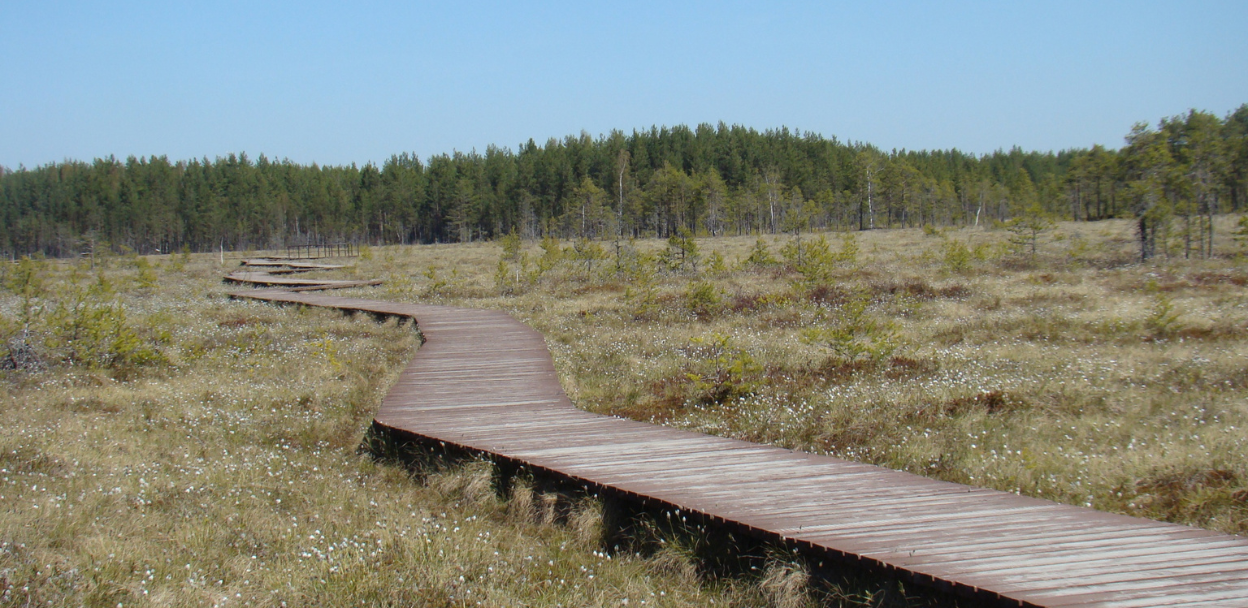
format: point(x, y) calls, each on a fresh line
point(725, 373)
point(26, 280)
point(848, 255)
point(702, 299)
point(957, 256)
point(585, 252)
point(1026, 229)
point(90, 329)
point(715, 264)
point(503, 279)
point(552, 254)
point(514, 280)
point(147, 277)
point(812, 260)
point(759, 257)
point(850, 333)
point(1163, 319)
point(681, 252)
point(642, 292)
point(439, 284)
point(625, 257)
point(750, 303)
point(511, 243)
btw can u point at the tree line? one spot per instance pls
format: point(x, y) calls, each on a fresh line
point(707, 180)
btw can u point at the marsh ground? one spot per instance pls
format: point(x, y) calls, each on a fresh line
point(169, 447)
point(165, 446)
point(1077, 374)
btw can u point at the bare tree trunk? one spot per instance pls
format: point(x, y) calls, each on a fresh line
point(1211, 207)
point(619, 209)
point(770, 179)
point(870, 200)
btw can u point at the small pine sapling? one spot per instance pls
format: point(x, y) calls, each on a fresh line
point(1026, 229)
point(813, 260)
point(147, 278)
point(957, 256)
point(552, 254)
point(715, 264)
point(725, 372)
point(759, 257)
point(681, 252)
point(702, 299)
point(850, 333)
point(1163, 320)
point(511, 244)
point(642, 291)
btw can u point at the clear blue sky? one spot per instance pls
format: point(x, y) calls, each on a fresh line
point(338, 83)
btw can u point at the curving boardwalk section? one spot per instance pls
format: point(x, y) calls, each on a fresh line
point(486, 383)
point(269, 279)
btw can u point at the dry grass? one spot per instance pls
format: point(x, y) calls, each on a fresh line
point(1082, 377)
point(227, 471)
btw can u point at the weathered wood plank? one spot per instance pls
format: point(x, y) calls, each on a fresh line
point(486, 382)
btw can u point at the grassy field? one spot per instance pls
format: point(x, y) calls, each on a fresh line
point(1077, 374)
point(164, 446)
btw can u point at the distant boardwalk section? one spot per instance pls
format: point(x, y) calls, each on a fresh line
point(485, 382)
point(270, 279)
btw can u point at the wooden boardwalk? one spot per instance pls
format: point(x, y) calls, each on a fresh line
point(485, 382)
point(269, 279)
point(288, 265)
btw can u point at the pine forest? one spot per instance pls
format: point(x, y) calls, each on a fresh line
point(1170, 179)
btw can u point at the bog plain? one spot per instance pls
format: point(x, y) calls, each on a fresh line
point(165, 445)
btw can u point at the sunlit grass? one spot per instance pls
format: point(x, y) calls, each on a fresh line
point(1063, 378)
point(230, 472)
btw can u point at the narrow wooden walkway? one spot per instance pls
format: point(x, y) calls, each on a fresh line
point(288, 265)
point(485, 382)
point(268, 279)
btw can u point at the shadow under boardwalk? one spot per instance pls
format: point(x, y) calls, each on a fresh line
point(485, 382)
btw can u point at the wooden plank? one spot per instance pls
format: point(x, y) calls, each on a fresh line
point(485, 381)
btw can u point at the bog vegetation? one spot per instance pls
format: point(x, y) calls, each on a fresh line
point(1049, 363)
point(165, 445)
